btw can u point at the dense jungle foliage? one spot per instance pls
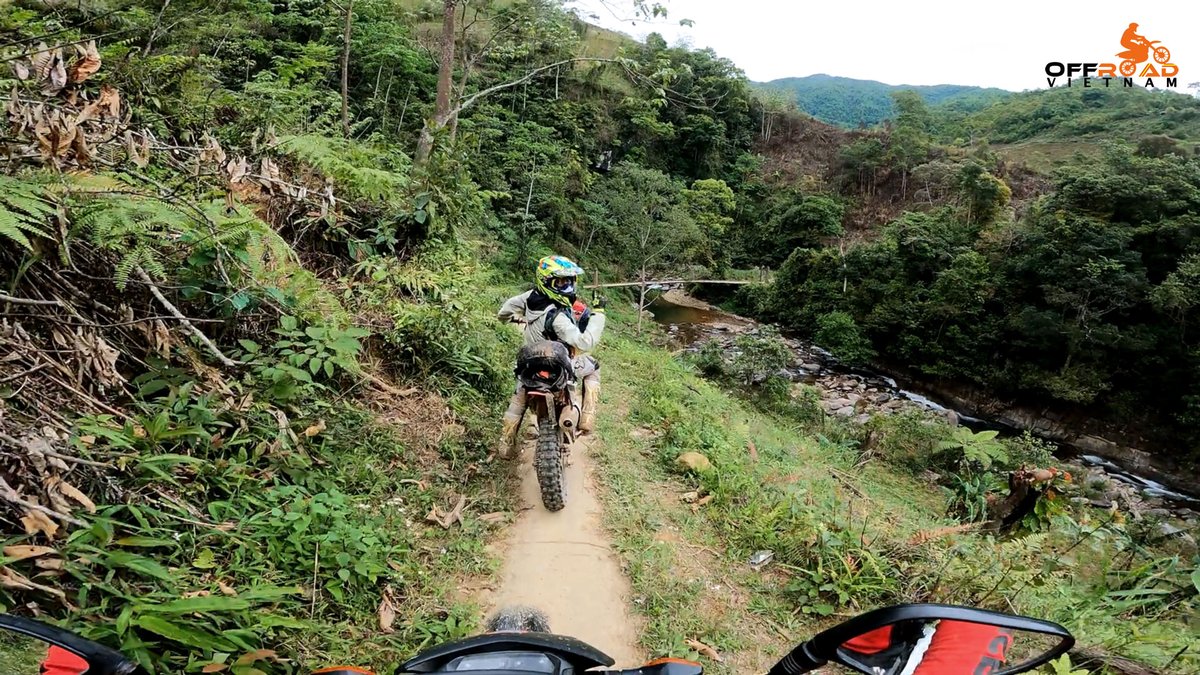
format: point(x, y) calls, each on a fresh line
point(252, 250)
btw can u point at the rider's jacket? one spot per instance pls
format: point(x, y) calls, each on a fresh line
point(534, 309)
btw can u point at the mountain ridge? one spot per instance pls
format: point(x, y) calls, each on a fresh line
point(851, 102)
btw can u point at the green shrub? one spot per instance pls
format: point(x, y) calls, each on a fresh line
point(759, 356)
point(909, 439)
point(839, 333)
point(710, 360)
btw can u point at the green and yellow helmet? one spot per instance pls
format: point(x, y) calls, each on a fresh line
point(556, 277)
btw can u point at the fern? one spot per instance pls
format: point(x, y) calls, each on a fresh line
point(137, 228)
point(23, 211)
point(353, 167)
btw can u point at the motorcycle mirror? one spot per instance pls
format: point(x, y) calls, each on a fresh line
point(942, 638)
point(29, 647)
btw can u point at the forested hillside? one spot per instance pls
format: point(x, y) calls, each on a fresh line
point(251, 375)
point(1060, 288)
point(852, 103)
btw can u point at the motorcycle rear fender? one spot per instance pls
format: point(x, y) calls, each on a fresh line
point(576, 652)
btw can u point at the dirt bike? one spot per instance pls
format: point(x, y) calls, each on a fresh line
point(519, 643)
point(1132, 57)
point(547, 373)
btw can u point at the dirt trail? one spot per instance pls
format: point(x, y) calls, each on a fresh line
point(563, 564)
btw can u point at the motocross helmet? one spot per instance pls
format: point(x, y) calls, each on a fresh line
point(556, 277)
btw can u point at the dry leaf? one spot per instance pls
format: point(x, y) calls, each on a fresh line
point(237, 169)
point(197, 594)
point(690, 497)
point(22, 552)
point(54, 74)
point(49, 69)
point(447, 519)
point(937, 533)
point(21, 70)
point(83, 153)
point(396, 566)
point(87, 440)
point(138, 150)
point(753, 450)
point(493, 517)
point(212, 153)
point(40, 61)
point(12, 579)
point(36, 521)
point(387, 611)
point(315, 429)
point(139, 432)
point(268, 173)
point(88, 63)
point(704, 650)
point(214, 668)
point(701, 502)
point(435, 515)
point(110, 100)
point(52, 564)
point(257, 655)
point(226, 589)
point(74, 493)
point(1042, 475)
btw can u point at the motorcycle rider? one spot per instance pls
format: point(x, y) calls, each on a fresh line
point(587, 368)
point(547, 314)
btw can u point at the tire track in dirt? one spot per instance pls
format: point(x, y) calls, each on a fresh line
point(563, 563)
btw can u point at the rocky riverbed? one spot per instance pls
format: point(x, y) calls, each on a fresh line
point(858, 395)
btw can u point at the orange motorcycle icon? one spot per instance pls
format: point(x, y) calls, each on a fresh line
point(1140, 52)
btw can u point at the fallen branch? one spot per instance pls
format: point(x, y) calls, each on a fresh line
point(8, 494)
point(387, 388)
point(91, 399)
point(846, 482)
point(1097, 660)
point(51, 453)
point(23, 373)
point(212, 348)
point(4, 297)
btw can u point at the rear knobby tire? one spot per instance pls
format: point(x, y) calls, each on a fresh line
point(548, 462)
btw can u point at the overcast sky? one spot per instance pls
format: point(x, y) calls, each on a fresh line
point(992, 44)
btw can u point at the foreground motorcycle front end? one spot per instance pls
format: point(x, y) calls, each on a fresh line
point(902, 639)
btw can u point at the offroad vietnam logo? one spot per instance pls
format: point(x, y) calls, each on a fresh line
point(1142, 63)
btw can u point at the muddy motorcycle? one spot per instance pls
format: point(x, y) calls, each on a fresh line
point(546, 372)
point(519, 642)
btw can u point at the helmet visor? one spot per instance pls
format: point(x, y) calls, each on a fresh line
point(564, 285)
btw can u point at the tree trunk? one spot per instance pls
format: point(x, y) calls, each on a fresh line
point(346, 70)
point(441, 113)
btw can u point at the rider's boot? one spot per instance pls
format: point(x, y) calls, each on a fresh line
point(591, 401)
point(510, 426)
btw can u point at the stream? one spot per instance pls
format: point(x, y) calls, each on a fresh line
point(858, 393)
